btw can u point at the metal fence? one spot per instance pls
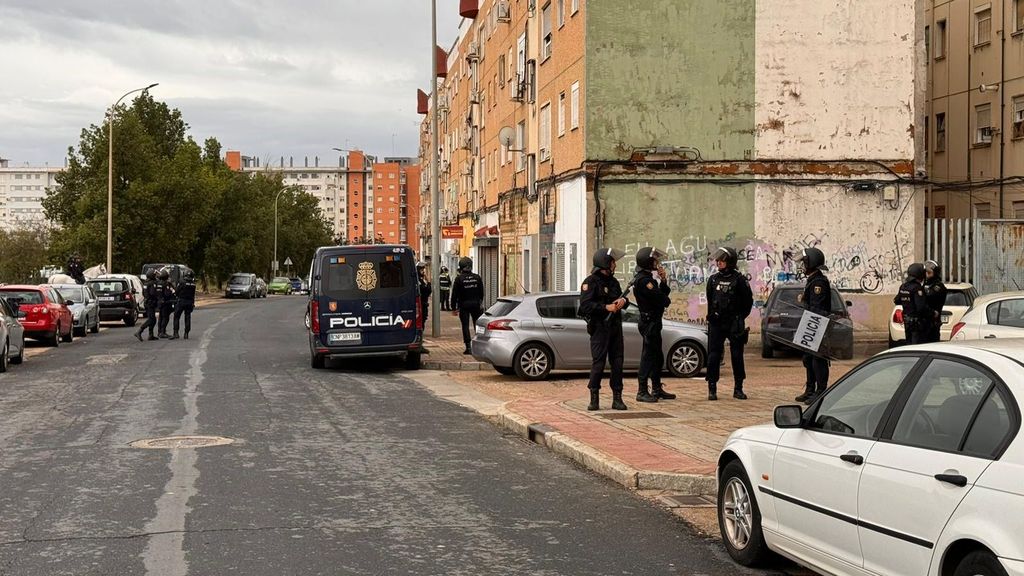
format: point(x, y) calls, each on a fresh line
point(986, 253)
point(949, 242)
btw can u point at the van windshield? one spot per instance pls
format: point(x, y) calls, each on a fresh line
point(240, 279)
point(365, 275)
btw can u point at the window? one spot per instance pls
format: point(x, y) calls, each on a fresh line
point(856, 405)
point(941, 406)
point(940, 39)
point(927, 42)
point(983, 210)
point(1006, 313)
point(545, 19)
point(560, 12)
point(927, 135)
point(574, 106)
point(1018, 209)
point(940, 132)
point(561, 114)
point(545, 132)
point(1018, 116)
point(991, 427)
point(983, 124)
point(575, 6)
point(391, 222)
point(520, 145)
point(501, 71)
point(560, 307)
point(380, 210)
point(1018, 15)
point(983, 26)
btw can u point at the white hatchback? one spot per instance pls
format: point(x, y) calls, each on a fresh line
point(993, 316)
point(959, 298)
point(911, 464)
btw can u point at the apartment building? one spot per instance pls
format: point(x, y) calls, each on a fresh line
point(22, 190)
point(568, 125)
point(975, 108)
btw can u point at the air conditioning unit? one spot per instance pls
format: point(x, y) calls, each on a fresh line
point(473, 52)
point(474, 96)
point(442, 104)
point(504, 11)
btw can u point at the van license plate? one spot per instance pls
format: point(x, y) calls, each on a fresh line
point(345, 337)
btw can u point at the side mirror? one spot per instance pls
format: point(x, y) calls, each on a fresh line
point(69, 302)
point(22, 314)
point(848, 303)
point(790, 416)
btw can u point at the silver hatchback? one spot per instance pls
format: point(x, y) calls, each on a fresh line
point(531, 335)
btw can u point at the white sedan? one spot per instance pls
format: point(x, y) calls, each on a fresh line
point(993, 316)
point(911, 464)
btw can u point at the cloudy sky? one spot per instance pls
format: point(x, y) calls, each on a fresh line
point(271, 78)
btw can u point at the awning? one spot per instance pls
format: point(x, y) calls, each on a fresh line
point(485, 231)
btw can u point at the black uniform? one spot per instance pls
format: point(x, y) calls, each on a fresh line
point(918, 317)
point(468, 299)
point(152, 292)
point(605, 328)
point(425, 291)
point(729, 303)
point(652, 298)
point(167, 299)
point(445, 284)
point(935, 295)
point(185, 304)
point(817, 298)
point(76, 270)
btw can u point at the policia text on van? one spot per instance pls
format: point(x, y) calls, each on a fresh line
point(364, 302)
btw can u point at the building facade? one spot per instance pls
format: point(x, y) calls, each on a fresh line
point(22, 190)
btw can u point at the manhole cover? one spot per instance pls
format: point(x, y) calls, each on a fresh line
point(635, 415)
point(179, 442)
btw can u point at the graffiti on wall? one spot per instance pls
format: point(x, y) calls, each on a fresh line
point(854, 267)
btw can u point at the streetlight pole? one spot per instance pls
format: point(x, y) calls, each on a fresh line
point(435, 183)
point(110, 175)
point(275, 228)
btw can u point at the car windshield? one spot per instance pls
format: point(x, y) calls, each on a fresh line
point(72, 293)
point(240, 279)
point(24, 296)
point(280, 280)
point(109, 286)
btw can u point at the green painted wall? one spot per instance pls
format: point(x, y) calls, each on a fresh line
point(670, 72)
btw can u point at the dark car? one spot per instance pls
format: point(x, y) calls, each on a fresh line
point(241, 285)
point(778, 321)
point(117, 299)
point(364, 302)
point(296, 283)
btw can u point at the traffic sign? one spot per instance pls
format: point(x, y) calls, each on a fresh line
point(288, 261)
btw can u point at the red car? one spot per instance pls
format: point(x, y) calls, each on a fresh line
point(47, 317)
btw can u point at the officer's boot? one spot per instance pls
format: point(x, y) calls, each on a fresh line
point(138, 335)
point(643, 395)
point(617, 403)
point(808, 393)
point(174, 336)
point(712, 390)
point(595, 401)
point(737, 391)
point(660, 393)
point(186, 334)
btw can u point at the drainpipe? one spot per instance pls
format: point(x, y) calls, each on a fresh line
point(1002, 105)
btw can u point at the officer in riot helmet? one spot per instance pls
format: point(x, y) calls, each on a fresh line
point(935, 294)
point(467, 299)
point(652, 291)
point(167, 299)
point(152, 294)
point(425, 290)
point(817, 298)
point(601, 300)
point(444, 282)
point(729, 303)
point(185, 303)
point(918, 317)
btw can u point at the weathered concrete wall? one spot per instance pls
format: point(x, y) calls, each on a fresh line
point(670, 72)
point(835, 79)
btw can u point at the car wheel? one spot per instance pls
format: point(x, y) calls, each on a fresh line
point(96, 326)
point(21, 355)
point(533, 362)
point(980, 563)
point(685, 360)
point(70, 337)
point(739, 518)
point(3, 358)
point(505, 371)
point(413, 361)
point(130, 321)
point(54, 341)
point(80, 332)
point(766, 348)
point(317, 361)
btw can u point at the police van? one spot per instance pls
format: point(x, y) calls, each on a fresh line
point(364, 301)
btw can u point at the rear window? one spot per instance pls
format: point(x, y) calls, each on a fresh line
point(280, 280)
point(562, 307)
point(957, 299)
point(73, 294)
point(109, 287)
point(789, 296)
point(502, 308)
point(362, 275)
point(25, 296)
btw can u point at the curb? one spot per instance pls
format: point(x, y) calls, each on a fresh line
point(448, 366)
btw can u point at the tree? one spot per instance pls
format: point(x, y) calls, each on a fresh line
point(23, 253)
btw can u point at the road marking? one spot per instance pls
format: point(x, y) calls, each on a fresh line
point(105, 359)
point(165, 551)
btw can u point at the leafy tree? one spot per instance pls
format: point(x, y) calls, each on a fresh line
point(23, 253)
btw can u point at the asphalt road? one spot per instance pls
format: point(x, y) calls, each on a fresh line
point(352, 470)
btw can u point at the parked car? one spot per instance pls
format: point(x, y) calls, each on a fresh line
point(959, 297)
point(296, 284)
point(117, 298)
point(533, 334)
point(241, 285)
point(911, 464)
point(47, 318)
point(138, 291)
point(280, 285)
point(992, 316)
point(776, 319)
point(305, 286)
point(12, 334)
point(84, 305)
point(261, 288)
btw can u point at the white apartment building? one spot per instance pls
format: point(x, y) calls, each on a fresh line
point(22, 189)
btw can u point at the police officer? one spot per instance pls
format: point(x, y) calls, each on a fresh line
point(918, 317)
point(468, 299)
point(425, 290)
point(166, 303)
point(76, 269)
point(445, 284)
point(935, 294)
point(185, 304)
point(152, 292)
point(817, 297)
point(729, 303)
point(652, 297)
point(600, 302)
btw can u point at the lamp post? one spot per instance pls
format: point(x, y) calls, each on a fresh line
point(275, 228)
point(110, 175)
point(435, 183)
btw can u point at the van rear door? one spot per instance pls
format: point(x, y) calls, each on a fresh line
point(367, 297)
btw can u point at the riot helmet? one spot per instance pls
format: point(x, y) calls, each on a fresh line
point(466, 264)
point(151, 274)
point(933, 267)
point(648, 258)
point(164, 274)
point(190, 276)
point(604, 258)
point(444, 269)
point(421, 265)
point(812, 259)
point(916, 271)
point(727, 255)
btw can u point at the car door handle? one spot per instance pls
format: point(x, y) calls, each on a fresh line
point(990, 336)
point(852, 458)
point(558, 327)
point(954, 479)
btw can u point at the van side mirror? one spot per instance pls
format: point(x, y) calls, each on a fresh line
point(848, 303)
point(790, 416)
